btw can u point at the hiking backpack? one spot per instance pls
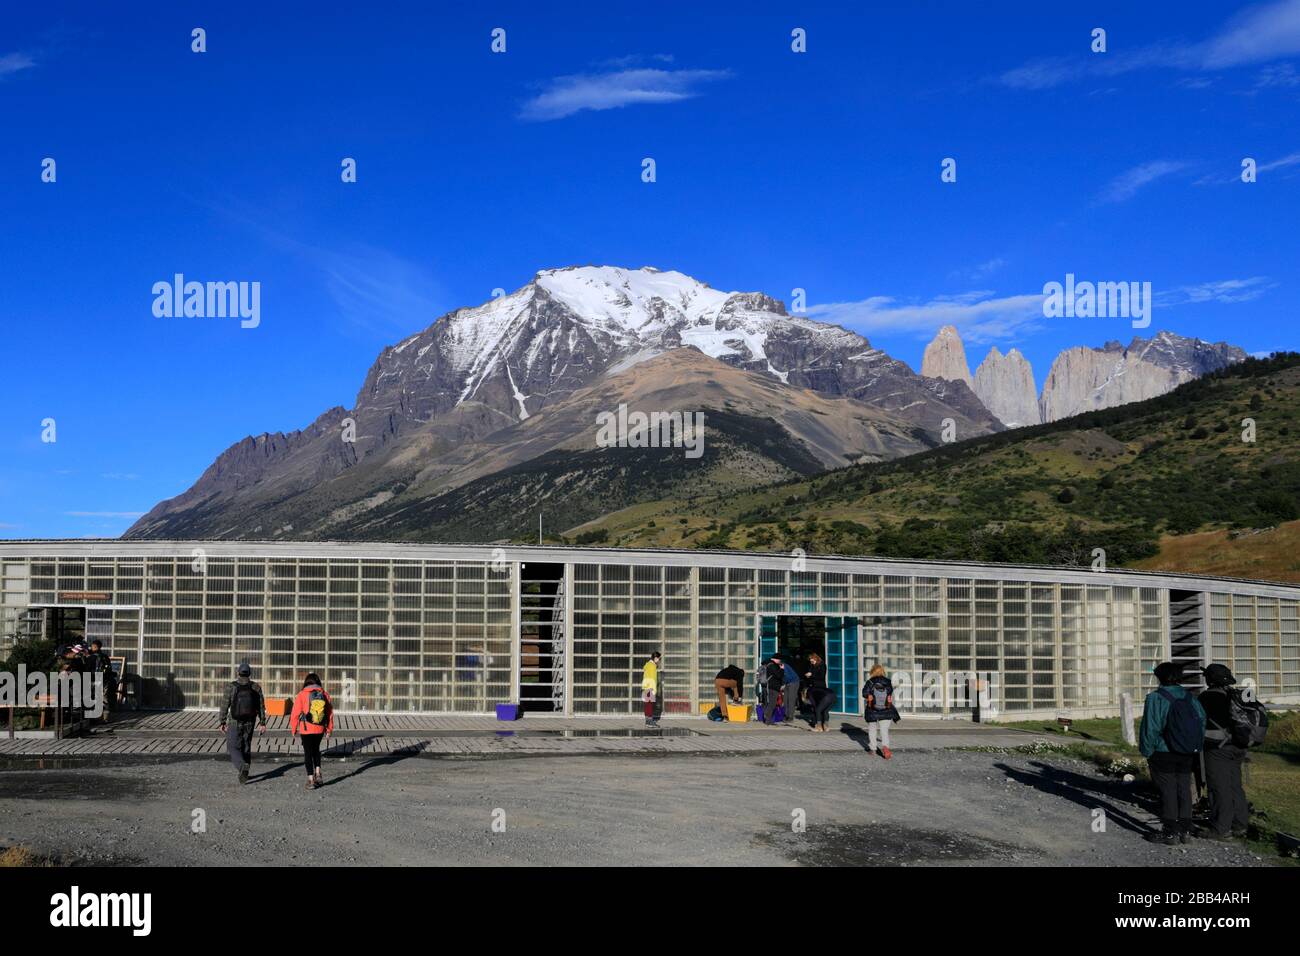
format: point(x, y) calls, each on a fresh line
point(1247, 720)
point(877, 696)
point(244, 706)
point(317, 709)
point(1183, 732)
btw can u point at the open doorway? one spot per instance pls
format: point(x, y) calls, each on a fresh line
point(833, 637)
point(541, 638)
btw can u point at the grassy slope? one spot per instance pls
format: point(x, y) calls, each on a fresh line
point(1118, 479)
point(1272, 555)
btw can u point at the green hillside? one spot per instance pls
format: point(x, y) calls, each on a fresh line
point(1117, 479)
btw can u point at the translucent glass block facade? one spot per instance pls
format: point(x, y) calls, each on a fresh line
point(1258, 638)
point(621, 615)
point(444, 636)
point(383, 635)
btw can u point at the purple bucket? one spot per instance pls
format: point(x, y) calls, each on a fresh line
point(507, 711)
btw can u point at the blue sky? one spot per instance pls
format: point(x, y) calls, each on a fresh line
point(775, 170)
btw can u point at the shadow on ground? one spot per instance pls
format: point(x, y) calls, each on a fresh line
point(1116, 798)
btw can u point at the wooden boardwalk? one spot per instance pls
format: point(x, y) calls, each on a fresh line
point(194, 734)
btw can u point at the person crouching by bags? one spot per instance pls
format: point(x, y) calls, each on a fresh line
point(1170, 736)
point(1232, 725)
point(878, 695)
point(313, 716)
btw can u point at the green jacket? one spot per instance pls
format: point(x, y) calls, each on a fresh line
point(229, 706)
point(1151, 734)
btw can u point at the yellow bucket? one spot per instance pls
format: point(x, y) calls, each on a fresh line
point(739, 713)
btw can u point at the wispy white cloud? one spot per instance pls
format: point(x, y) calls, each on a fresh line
point(566, 95)
point(1284, 162)
point(120, 476)
point(1277, 76)
point(634, 59)
point(1126, 185)
point(1225, 291)
point(1257, 35)
point(979, 271)
point(12, 63)
point(979, 315)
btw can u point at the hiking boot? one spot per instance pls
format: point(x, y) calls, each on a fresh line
point(320, 778)
point(1216, 836)
point(1164, 838)
point(1185, 836)
point(311, 783)
point(886, 753)
point(243, 775)
point(1240, 832)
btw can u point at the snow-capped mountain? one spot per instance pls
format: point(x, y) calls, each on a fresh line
point(482, 371)
point(519, 352)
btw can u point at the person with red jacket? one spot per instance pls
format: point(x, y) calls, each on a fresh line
point(313, 717)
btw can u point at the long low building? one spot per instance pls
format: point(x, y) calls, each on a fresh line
point(461, 628)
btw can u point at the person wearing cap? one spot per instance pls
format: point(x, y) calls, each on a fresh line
point(1172, 733)
point(245, 705)
point(1225, 752)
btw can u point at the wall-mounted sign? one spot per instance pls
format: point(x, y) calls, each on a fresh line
point(73, 596)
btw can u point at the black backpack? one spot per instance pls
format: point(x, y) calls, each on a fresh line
point(1184, 733)
point(1247, 720)
point(244, 706)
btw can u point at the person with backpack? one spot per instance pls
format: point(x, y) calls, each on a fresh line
point(878, 695)
point(1231, 723)
point(771, 677)
point(651, 688)
point(819, 695)
point(244, 706)
point(1170, 736)
point(790, 691)
point(313, 718)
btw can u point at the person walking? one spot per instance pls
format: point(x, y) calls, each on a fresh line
point(819, 695)
point(771, 677)
point(790, 691)
point(651, 688)
point(244, 705)
point(878, 693)
point(1225, 752)
point(728, 683)
point(1170, 736)
point(313, 719)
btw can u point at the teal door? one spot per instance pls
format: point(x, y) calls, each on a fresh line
point(843, 664)
point(766, 638)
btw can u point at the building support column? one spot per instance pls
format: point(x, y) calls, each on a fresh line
point(694, 584)
point(568, 639)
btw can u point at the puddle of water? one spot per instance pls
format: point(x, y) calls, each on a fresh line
point(861, 845)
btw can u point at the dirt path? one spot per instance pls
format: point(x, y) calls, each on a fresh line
point(920, 808)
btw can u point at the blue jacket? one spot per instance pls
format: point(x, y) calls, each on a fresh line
point(791, 675)
point(1151, 733)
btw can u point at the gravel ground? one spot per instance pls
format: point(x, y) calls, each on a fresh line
point(937, 807)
